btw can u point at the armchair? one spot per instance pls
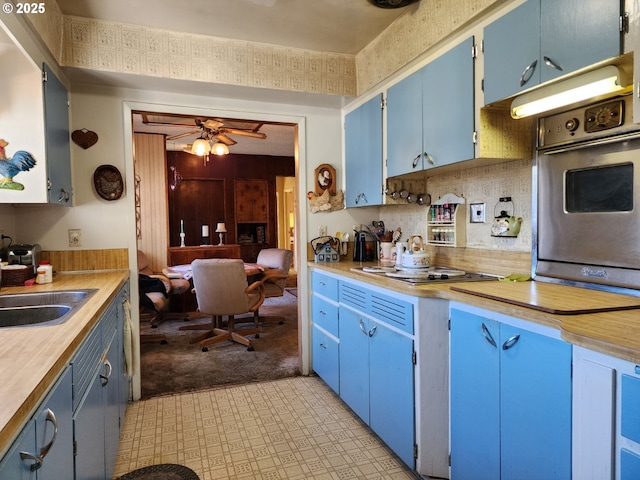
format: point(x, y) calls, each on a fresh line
point(221, 290)
point(275, 278)
point(155, 300)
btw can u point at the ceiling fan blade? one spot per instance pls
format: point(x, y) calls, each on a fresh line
point(221, 137)
point(212, 124)
point(181, 135)
point(245, 133)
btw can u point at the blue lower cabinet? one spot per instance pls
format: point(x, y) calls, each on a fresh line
point(377, 379)
point(629, 465)
point(510, 401)
point(354, 361)
point(630, 404)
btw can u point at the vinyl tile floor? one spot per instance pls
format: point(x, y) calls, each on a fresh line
point(294, 428)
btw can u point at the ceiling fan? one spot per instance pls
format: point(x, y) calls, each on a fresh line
point(215, 130)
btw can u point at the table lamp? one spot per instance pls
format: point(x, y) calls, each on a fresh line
point(220, 230)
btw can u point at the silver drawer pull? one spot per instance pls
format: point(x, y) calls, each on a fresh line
point(108, 369)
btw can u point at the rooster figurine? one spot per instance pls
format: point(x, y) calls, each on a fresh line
point(9, 167)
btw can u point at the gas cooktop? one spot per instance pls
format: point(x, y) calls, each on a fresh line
point(431, 274)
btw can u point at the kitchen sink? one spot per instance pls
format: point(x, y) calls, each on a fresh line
point(41, 308)
point(36, 315)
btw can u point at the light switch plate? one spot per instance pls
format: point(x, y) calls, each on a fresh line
point(477, 213)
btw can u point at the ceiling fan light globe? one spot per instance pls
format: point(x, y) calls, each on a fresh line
point(219, 148)
point(200, 147)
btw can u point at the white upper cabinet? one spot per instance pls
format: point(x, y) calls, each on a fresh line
point(545, 39)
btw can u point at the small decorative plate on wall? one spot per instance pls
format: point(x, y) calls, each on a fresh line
point(108, 182)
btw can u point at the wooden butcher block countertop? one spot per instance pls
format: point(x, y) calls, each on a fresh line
point(601, 321)
point(31, 358)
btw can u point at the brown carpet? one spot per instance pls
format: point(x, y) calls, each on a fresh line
point(182, 367)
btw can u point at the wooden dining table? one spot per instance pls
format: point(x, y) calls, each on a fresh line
point(184, 271)
point(187, 303)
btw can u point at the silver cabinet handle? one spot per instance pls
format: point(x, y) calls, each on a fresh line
point(488, 336)
point(322, 312)
point(510, 342)
point(363, 328)
point(429, 158)
point(322, 283)
point(64, 196)
point(528, 72)
point(39, 459)
point(108, 369)
point(372, 331)
point(415, 160)
point(322, 345)
point(550, 63)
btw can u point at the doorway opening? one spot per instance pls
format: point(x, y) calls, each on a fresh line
point(179, 192)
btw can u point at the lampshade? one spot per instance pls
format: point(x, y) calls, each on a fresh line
point(221, 228)
point(219, 149)
point(200, 147)
point(604, 81)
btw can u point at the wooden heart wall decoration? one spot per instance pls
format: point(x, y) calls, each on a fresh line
point(85, 138)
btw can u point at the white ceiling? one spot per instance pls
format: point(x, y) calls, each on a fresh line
point(341, 26)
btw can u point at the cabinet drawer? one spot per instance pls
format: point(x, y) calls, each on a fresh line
point(325, 358)
point(324, 285)
point(630, 407)
point(85, 363)
point(384, 308)
point(325, 314)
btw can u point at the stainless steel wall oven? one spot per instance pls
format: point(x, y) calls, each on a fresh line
point(587, 208)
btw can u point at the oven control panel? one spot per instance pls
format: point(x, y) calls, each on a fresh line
point(593, 122)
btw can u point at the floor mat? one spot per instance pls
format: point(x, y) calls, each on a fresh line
point(164, 471)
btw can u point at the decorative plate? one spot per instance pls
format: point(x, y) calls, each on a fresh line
point(108, 182)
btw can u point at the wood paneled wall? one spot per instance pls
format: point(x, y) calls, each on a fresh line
point(79, 260)
point(152, 213)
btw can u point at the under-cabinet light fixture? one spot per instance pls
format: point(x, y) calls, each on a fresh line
point(597, 83)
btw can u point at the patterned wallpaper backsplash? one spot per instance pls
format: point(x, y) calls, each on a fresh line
point(477, 185)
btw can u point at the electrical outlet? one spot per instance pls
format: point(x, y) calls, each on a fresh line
point(322, 230)
point(75, 237)
point(477, 213)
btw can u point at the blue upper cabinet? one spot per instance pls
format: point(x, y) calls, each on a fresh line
point(544, 39)
point(404, 126)
point(56, 120)
point(448, 107)
point(363, 154)
point(430, 114)
point(577, 33)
